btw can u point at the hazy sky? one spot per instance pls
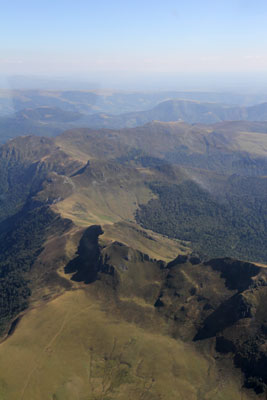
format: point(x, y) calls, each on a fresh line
point(83, 37)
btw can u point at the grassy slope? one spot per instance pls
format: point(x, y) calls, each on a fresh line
point(156, 246)
point(71, 349)
point(166, 136)
point(105, 193)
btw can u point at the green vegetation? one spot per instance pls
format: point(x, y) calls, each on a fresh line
point(19, 248)
point(19, 178)
point(234, 225)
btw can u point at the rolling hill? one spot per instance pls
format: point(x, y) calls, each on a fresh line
point(228, 147)
point(40, 121)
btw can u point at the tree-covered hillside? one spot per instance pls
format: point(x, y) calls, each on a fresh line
point(234, 224)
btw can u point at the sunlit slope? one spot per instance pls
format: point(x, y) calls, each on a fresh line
point(156, 246)
point(104, 192)
point(71, 349)
point(159, 138)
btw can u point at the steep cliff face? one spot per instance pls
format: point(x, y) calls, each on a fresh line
point(221, 300)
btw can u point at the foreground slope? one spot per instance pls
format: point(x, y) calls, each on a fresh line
point(124, 328)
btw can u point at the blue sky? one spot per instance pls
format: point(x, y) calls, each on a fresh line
point(62, 37)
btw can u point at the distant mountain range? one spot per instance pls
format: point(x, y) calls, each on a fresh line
point(180, 110)
point(113, 102)
point(53, 120)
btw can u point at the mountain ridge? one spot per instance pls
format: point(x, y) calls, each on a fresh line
point(108, 308)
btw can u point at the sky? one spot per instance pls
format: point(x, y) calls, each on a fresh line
point(117, 40)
